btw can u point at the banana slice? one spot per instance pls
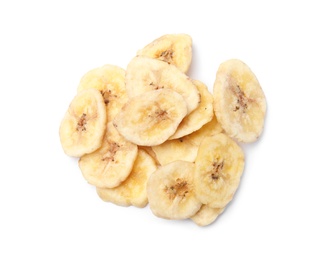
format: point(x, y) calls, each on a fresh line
point(132, 191)
point(206, 215)
point(151, 118)
point(219, 166)
point(174, 49)
point(178, 149)
point(144, 74)
point(110, 81)
point(112, 163)
point(200, 116)
point(239, 102)
point(186, 147)
point(171, 192)
point(83, 126)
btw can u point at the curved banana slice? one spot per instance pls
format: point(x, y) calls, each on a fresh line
point(174, 49)
point(83, 126)
point(206, 215)
point(151, 118)
point(239, 102)
point(171, 192)
point(200, 116)
point(112, 163)
point(144, 74)
point(110, 81)
point(219, 166)
point(132, 191)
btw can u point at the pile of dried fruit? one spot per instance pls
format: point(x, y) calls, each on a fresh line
point(151, 134)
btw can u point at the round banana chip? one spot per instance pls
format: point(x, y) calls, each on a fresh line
point(112, 163)
point(171, 191)
point(219, 166)
point(239, 102)
point(174, 49)
point(110, 81)
point(83, 126)
point(132, 191)
point(151, 118)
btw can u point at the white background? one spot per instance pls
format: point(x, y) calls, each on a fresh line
point(48, 211)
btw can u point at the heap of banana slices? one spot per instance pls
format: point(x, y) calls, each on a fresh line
point(150, 135)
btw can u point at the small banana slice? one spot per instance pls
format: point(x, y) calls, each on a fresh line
point(112, 163)
point(174, 49)
point(171, 192)
point(219, 166)
point(200, 116)
point(110, 81)
point(206, 215)
point(151, 118)
point(144, 74)
point(82, 129)
point(132, 191)
point(239, 102)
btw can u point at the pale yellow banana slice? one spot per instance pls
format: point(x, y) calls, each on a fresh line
point(132, 191)
point(186, 147)
point(174, 49)
point(178, 149)
point(144, 74)
point(200, 116)
point(110, 81)
point(206, 215)
point(219, 166)
point(83, 126)
point(171, 192)
point(239, 102)
point(151, 118)
point(112, 163)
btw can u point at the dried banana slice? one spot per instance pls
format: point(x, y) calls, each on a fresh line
point(178, 149)
point(239, 102)
point(186, 147)
point(132, 191)
point(82, 129)
point(110, 81)
point(171, 192)
point(219, 166)
point(112, 163)
point(174, 49)
point(206, 215)
point(200, 116)
point(151, 118)
point(144, 74)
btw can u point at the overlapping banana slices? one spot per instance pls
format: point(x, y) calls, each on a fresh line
point(151, 134)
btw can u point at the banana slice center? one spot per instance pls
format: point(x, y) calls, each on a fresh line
point(166, 56)
point(110, 154)
point(179, 188)
point(217, 171)
point(242, 100)
point(107, 96)
point(81, 123)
